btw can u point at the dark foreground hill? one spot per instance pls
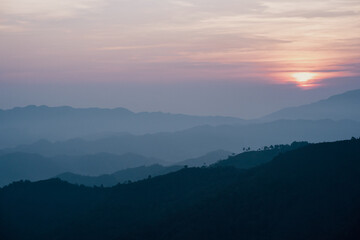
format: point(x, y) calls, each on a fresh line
point(250, 159)
point(309, 193)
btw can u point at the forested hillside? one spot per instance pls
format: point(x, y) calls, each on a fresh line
point(309, 193)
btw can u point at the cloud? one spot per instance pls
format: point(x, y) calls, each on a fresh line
point(183, 3)
point(48, 9)
point(321, 14)
point(119, 48)
point(266, 36)
point(10, 28)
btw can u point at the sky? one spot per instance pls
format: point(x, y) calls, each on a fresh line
point(243, 58)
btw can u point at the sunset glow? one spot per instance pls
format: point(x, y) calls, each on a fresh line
point(303, 77)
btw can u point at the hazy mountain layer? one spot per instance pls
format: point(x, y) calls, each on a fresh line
point(24, 125)
point(195, 142)
point(96, 169)
point(21, 166)
point(245, 160)
point(109, 180)
point(103, 163)
point(27, 166)
point(27, 124)
point(206, 160)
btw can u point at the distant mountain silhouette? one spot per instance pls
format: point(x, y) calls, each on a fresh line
point(338, 107)
point(206, 159)
point(198, 141)
point(310, 193)
point(27, 166)
point(28, 124)
point(109, 180)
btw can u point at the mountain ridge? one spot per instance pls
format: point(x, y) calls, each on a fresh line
point(336, 107)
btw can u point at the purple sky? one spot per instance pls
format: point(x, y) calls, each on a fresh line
point(241, 58)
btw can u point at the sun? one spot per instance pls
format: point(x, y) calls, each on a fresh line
point(303, 77)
